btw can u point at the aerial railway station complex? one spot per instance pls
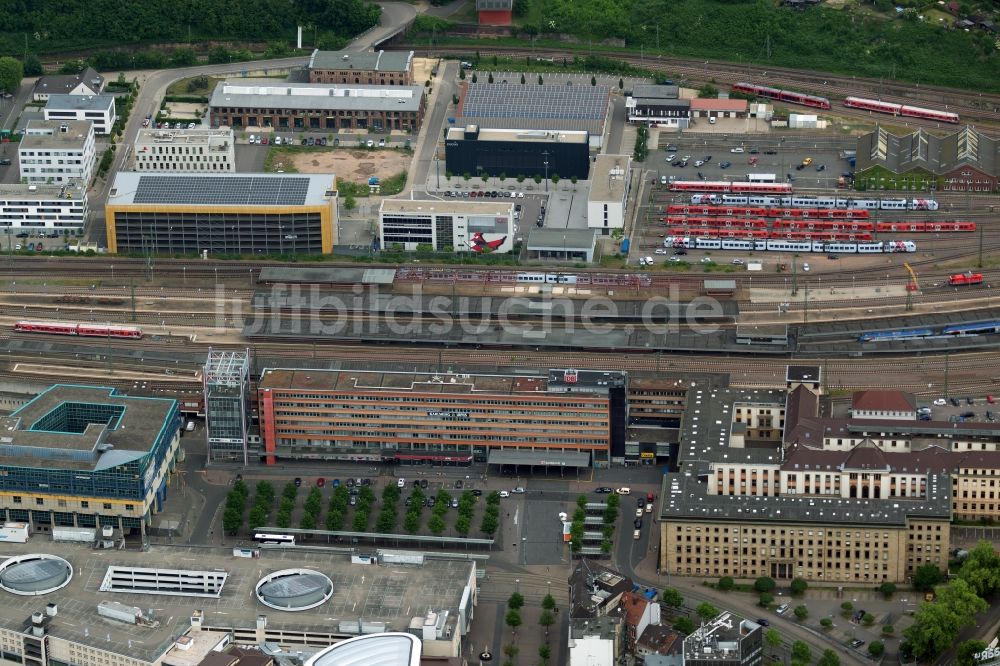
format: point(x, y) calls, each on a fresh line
point(659, 316)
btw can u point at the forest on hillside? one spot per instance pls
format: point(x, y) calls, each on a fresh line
point(46, 26)
point(871, 39)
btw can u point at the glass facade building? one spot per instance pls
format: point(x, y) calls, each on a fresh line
point(227, 405)
point(85, 456)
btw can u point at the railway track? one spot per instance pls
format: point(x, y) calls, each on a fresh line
point(971, 106)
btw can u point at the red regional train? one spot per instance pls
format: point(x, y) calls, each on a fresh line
point(926, 227)
point(87, 330)
point(716, 232)
point(960, 279)
point(783, 95)
point(737, 186)
point(730, 211)
point(833, 225)
point(743, 222)
point(820, 213)
point(900, 109)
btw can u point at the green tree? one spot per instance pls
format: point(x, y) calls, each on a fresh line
point(764, 584)
point(461, 73)
point(706, 611)
point(308, 521)
point(522, 79)
point(801, 652)
point(981, 569)
point(708, 90)
point(539, 79)
point(183, 57)
point(766, 599)
point(593, 80)
point(888, 630)
point(684, 625)
point(11, 73)
point(350, 203)
point(33, 66)
point(846, 608)
point(546, 620)
point(511, 650)
point(360, 521)
point(926, 577)
point(515, 601)
point(334, 520)
point(581, 500)
point(772, 640)
point(411, 523)
point(801, 613)
point(799, 586)
point(436, 524)
point(726, 583)
point(828, 658)
point(490, 78)
point(965, 654)
point(868, 619)
point(887, 590)
point(876, 649)
point(513, 620)
point(672, 598)
point(621, 84)
point(544, 652)
point(936, 623)
point(826, 623)
point(475, 79)
point(231, 520)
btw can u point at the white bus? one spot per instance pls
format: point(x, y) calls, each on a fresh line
point(761, 178)
point(274, 539)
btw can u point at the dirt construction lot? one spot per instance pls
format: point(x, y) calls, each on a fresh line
point(353, 164)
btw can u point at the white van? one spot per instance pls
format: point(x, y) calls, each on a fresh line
point(190, 426)
point(624, 491)
point(711, 121)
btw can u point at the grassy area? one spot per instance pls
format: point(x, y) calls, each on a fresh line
point(194, 85)
point(855, 40)
point(279, 159)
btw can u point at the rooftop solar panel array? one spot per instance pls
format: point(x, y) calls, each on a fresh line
point(513, 100)
point(228, 191)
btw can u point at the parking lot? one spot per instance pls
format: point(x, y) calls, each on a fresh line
point(769, 154)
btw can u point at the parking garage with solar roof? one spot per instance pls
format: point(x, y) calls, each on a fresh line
point(233, 191)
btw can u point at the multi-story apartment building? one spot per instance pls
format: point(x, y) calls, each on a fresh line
point(57, 152)
point(393, 68)
point(566, 418)
point(98, 109)
point(49, 208)
point(192, 150)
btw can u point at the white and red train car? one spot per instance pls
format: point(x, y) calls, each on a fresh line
point(85, 330)
point(728, 211)
point(900, 109)
point(825, 225)
point(742, 222)
point(783, 95)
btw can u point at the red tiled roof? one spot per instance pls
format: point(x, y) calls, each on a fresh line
point(708, 104)
point(634, 606)
point(883, 401)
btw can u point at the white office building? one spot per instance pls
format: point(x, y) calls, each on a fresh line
point(610, 180)
point(44, 208)
point(99, 109)
point(189, 150)
point(447, 226)
point(57, 152)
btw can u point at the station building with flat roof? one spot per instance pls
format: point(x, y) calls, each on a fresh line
point(378, 68)
point(560, 104)
point(250, 103)
point(85, 456)
point(49, 208)
point(491, 152)
point(56, 152)
point(481, 227)
point(214, 213)
point(564, 418)
point(192, 150)
point(610, 182)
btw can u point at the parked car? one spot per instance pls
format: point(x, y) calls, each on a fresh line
point(725, 165)
point(477, 492)
point(370, 143)
point(401, 483)
point(636, 534)
point(335, 483)
point(518, 491)
point(782, 609)
point(624, 490)
point(320, 482)
point(454, 502)
point(504, 493)
point(604, 490)
point(856, 643)
point(762, 622)
point(736, 150)
point(637, 523)
point(298, 482)
point(990, 399)
point(381, 143)
point(940, 402)
point(954, 402)
point(354, 500)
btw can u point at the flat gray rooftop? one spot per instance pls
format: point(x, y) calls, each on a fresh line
point(381, 61)
point(268, 93)
point(133, 425)
point(218, 189)
point(685, 497)
point(291, 275)
point(80, 102)
point(392, 594)
point(48, 135)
